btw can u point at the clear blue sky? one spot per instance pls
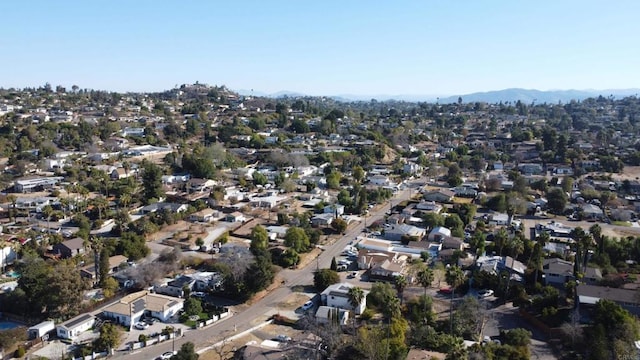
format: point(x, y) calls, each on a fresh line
point(322, 47)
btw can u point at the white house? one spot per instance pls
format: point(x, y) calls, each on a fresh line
point(438, 233)
point(7, 256)
point(131, 308)
point(397, 232)
point(327, 314)
point(72, 328)
point(337, 296)
point(335, 209)
point(499, 219)
point(41, 330)
point(380, 180)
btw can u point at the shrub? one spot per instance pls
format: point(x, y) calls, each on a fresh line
point(20, 352)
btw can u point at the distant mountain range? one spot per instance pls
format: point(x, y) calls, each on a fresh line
point(526, 96)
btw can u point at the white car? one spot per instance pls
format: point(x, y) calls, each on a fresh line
point(168, 355)
point(141, 325)
point(198, 294)
point(283, 338)
point(308, 305)
point(485, 293)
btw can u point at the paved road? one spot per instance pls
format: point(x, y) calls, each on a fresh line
point(258, 312)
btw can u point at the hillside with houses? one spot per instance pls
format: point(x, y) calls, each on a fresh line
point(152, 216)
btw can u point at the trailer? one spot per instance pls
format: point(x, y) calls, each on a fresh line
point(41, 331)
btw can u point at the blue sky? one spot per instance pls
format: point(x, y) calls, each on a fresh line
point(322, 47)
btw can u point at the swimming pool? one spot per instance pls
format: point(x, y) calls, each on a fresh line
point(6, 325)
point(13, 274)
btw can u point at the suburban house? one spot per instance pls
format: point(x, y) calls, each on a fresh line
point(120, 173)
point(204, 215)
point(266, 202)
point(499, 219)
point(368, 258)
point(322, 220)
point(36, 184)
point(438, 233)
point(495, 264)
point(166, 206)
point(115, 261)
point(591, 212)
point(72, 328)
point(176, 286)
point(397, 232)
point(328, 314)
point(388, 270)
point(440, 195)
point(337, 296)
point(8, 255)
point(131, 308)
point(557, 271)
point(590, 294)
point(454, 243)
point(235, 216)
point(429, 206)
point(70, 248)
point(335, 209)
point(200, 185)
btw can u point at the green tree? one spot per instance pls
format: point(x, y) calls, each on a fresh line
point(325, 277)
point(110, 337)
point(358, 173)
point(187, 352)
point(556, 200)
point(339, 225)
point(192, 306)
point(152, 180)
point(334, 264)
point(355, 295)
point(297, 239)
point(259, 239)
point(333, 180)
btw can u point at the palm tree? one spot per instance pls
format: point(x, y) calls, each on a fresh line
point(596, 232)
point(125, 200)
point(12, 199)
point(454, 277)
point(400, 284)
point(425, 278)
point(47, 211)
point(355, 295)
point(101, 203)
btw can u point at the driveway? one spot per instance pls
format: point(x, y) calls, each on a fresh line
point(506, 317)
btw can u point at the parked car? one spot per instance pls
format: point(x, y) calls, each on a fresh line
point(308, 305)
point(168, 355)
point(198, 294)
point(485, 293)
point(150, 320)
point(353, 275)
point(141, 325)
point(283, 338)
point(445, 290)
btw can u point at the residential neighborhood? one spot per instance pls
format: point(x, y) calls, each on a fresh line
point(131, 221)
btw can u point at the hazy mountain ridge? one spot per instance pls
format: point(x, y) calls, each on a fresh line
point(527, 96)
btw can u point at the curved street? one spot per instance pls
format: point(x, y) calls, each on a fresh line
point(258, 312)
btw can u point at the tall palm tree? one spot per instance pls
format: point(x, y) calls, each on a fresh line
point(124, 200)
point(355, 295)
point(400, 283)
point(425, 278)
point(12, 199)
point(596, 232)
point(454, 277)
point(47, 211)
